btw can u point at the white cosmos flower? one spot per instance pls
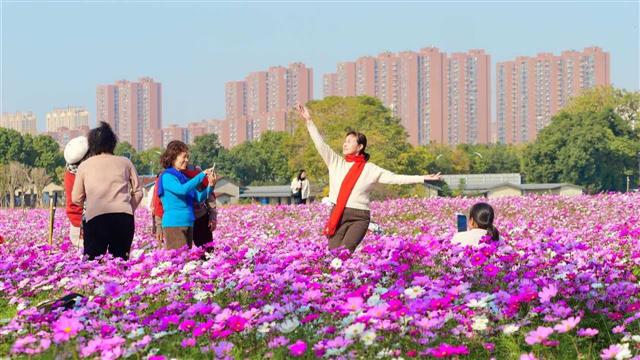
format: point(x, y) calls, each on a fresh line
point(336, 264)
point(510, 329)
point(368, 337)
point(354, 330)
point(414, 292)
point(289, 325)
point(480, 323)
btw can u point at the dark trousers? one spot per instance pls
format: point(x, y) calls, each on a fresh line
point(111, 233)
point(201, 233)
point(351, 230)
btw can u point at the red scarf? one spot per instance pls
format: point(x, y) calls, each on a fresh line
point(346, 188)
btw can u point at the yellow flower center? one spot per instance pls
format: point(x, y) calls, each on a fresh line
point(67, 329)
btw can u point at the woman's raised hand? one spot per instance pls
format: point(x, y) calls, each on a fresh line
point(303, 111)
point(433, 177)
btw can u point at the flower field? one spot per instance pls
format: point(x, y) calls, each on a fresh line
point(563, 283)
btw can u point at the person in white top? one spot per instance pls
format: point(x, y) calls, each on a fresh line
point(481, 218)
point(351, 179)
point(300, 188)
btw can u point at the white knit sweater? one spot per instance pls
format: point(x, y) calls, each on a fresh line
point(371, 174)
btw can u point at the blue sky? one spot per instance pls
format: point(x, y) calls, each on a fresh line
point(55, 53)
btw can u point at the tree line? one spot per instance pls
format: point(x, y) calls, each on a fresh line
point(594, 142)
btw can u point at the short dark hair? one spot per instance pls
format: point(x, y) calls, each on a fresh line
point(300, 173)
point(174, 148)
point(102, 140)
point(362, 140)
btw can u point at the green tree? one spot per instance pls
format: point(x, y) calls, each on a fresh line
point(264, 161)
point(206, 150)
point(501, 158)
point(592, 149)
point(417, 160)
point(625, 104)
point(48, 155)
point(12, 147)
point(150, 161)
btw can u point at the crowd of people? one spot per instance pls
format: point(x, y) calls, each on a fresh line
point(103, 192)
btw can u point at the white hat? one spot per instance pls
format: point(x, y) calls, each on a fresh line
point(76, 149)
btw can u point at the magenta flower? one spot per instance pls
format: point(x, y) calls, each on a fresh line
point(236, 323)
point(478, 259)
point(112, 289)
point(538, 335)
point(201, 329)
point(445, 350)
point(66, 328)
point(298, 348)
point(588, 332)
point(186, 325)
point(491, 270)
point(309, 318)
point(188, 342)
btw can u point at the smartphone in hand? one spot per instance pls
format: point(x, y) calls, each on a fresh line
point(461, 220)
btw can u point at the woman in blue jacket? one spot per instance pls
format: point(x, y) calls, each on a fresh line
point(178, 194)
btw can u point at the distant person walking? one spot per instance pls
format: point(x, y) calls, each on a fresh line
point(300, 188)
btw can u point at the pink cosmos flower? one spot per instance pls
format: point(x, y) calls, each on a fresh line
point(567, 325)
point(616, 351)
point(278, 342)
point(353, 304)
point(538, 335)
point(188, 342)
point(65, 328)
point(618, 329)
point(588, 332)
point(547, 293)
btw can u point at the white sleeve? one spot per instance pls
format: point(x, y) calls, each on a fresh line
point(326, 153)
point(387, 177)
point(305, 189)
